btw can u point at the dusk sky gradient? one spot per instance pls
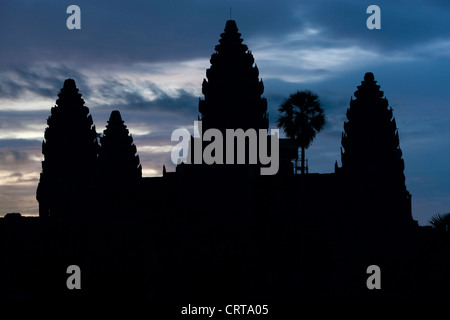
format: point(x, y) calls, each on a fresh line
point(148, 60)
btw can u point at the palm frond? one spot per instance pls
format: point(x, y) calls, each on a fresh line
point(440, 222)
point(302, 117)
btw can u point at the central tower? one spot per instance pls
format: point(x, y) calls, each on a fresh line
point(232, 89)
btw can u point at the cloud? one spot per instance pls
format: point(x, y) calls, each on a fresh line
point(115, 31)
point(404, 24)
point(43, 80)
point(145, 95)
point(18, 198)
point(17, 178)
point(157, 31)
point(13, 157)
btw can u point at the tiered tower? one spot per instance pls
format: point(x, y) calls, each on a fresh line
point(117, 159)
point(372, 161)
point(70, 153)
point(232, 100)
point(119, 169)
point(233, 89)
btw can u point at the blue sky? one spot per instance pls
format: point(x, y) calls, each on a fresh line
point(148, 59)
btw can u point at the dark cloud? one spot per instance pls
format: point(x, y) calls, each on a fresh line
point(179, 102)
point(160, 116)
point(18, 118)
point(18, 198)
point(19, 161)
point(18, 177)
point(16, 174)
point(404, 24)
point(43, 80)
point(13, 157)
point(133, 31)
point(155, 31)
point(19, 143)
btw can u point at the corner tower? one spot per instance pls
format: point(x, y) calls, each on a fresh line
point(70, 154)
point(119, 170)
point(372, 162)
point(118, 163)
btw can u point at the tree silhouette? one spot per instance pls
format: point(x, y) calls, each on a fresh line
point(302, 117)
point(441, 222)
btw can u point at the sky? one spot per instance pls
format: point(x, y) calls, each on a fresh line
point(148, 59)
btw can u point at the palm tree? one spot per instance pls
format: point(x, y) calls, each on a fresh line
point(441, 222)
point(302, 117)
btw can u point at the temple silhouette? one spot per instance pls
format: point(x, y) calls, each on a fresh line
point(225, 231)
point(371, 178)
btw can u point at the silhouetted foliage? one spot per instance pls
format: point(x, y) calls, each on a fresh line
point(302, 117)
point(441, 222)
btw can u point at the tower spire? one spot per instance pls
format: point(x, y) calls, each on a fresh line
point(119, 170)
point(371, 157)
point(118, 161)
point(232, 87)
point(70, 154)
